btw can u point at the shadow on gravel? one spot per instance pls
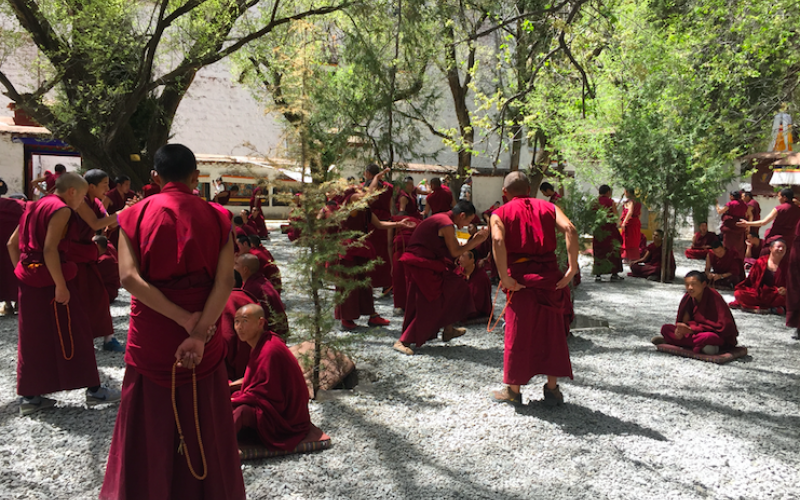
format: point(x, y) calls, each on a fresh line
point(578, 420)
point(490, 356)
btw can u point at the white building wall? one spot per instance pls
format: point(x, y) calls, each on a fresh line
point(12, 158)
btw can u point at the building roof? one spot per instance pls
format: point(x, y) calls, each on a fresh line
point(240, 166)
point(7, 126)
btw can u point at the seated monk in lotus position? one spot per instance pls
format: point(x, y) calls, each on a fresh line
point(724, 267)
point(704, 323)
point(765, 286)
point(649, 266)
point(701, 243)
point(272, 398)
point(252, 244)
point(479, 285)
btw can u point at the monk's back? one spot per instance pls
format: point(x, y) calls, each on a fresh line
point(425, 241)
point(530, 226)
point(33, 226)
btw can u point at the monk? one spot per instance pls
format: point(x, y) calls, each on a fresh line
point(784, 219)
point(649, 266)
point(11, 211)
point(480, 288)
point(401, 239)
point(55, 350)
point(724, 267)
point(406, 202)
point(151, 188)
point(701, 243)
point(539, 309)
point(241, 228)
point(381, 207)
point(224, 196)
point(108, 265)
point(549, 192)
point(765, 286)
point(631, 226)
point(753, 208)
point(753, 252)
point(487, 214)
point(793, 287)
point(440, 200)
point(50, 179)
point(89, 218)
point(238, 352)
point(256, 216)
point(704, 323)
point(115, 200)
point(256, 284)
point(734, 222)
point(179, 288)
point(437, 297)
point(607, 242)
point(271, 400)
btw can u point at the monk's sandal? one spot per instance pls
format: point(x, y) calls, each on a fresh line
point(401, 347)
point(507, 396)
point(553, 397)
point(452, 332)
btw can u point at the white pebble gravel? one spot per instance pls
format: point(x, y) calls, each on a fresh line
point(638, 424)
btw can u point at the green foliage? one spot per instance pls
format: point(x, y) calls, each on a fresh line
point(580, 207)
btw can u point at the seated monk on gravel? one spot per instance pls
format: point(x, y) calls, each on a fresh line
point(479, 285)
point(724, 267)
point(649, 266)
point(701, 243)
point(704, 323)
point(765, 286)
point(753, 246)
point(271, 400)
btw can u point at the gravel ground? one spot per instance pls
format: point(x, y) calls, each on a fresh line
point(637, 423)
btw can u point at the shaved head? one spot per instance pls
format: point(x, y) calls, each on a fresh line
point(253, 310)
point(250, 262)
point(70, 180)
point(517, 184)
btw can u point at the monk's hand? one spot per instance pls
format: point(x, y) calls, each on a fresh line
point(741, 223)
point(190, 323)
point(682, 330)
point(482, 234)
point(781, 291)
point(510, 284)
point(190, 352)
point(408, 224)
point(62, 295)
point(565, 280)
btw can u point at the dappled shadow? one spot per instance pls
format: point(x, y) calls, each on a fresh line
point(488, 356)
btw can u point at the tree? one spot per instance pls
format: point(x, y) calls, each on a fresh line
point(117, 70)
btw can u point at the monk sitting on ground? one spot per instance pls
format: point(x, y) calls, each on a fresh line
point(272, 398)
point(479, 285)
point(765, 286)
point(241, 228)
point(252, 244)
point(649, 266)
point(701, 243)
point(753, 252)
point(704, 323)
point(108, 265)
point(257, 285)
point(724, 267)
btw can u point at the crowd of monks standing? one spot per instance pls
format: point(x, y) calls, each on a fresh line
point(206, 356)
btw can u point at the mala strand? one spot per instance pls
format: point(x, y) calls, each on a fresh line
point(61, 335)
point(489, 327)
point(182, 448)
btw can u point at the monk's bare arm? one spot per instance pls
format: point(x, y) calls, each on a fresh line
point(721, 210)
point(708, 264)
point(55, 230)
point(220, 292)
point(89, 217)
point(427, 211)
point(501, 255)
point(131, 279)
point(758, 223)
point(750, 214)
point(564, 225)
point(390, 225)
point(454, 247)
point(401, 205)
point(629, 214)
point(13, 247)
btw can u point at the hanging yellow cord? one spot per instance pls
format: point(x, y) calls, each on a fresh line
point(61, 335)
point(182, 449)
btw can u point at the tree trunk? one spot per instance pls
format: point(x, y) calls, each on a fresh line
point(516, 144)
point(666, 244)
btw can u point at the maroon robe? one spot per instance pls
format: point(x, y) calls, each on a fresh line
point(728, 263)
point(538, 316)
point(244, 230)
point(269, 267)
point(793, 283)
point(652, 266)
point(402, 236)
point(359, 302)
point(436, 296)
point(257, 221)
point(760, 290)
point(412, 209)
point(732, 235)
point(176, 238)
point(606, 243)
point(756, 210)
point(554, 198)
point(273, 399)
point(755, 253)
point(710, 320)
point(381, 206)
point(108, 265)
point(632, 233)
point(784, 225)
point(117, 204)
point(480, 288)
point(700, 245)
point(150, 189)
point(10, 214)
point(440, 200)
point(260, 287)
point(238, 352)
point(49, 332)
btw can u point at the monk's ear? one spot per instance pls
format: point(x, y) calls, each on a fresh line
point(196, 177)
point(157, 178)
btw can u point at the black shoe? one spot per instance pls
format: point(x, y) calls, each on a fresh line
point(796, 335)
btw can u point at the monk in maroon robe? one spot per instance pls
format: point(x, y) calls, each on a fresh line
point(704, 323)
point(753, 209)
point(480, 288)
point(649, 266)
point(607, 242)
point(631, 225)
point(734, 222)
point(793, 286)
point(401, 239)
point(257, 285)
point(11, 211)
point(437, 297)
point(784, 218)
point(108, 265)
point(179, 286)
point(151, 188)
point(753, 252)
point(272, 399)
point(724, 267)
point(237, 353)
point(252, 244)
point(539, 310)
point(55, 350)
point(440, 200)
point(701, 243)
point(115, 200)
point(549, 192)
point(765, 286)
point(241, 228)
point(406, 202)
point(381, 207)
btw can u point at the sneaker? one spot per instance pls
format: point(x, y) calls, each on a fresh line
point(796, 335)
point(658, 340)
point(349, 325)
point(553, 397)
point(617, 277)
point(29, 406)
point(507, 396)
point(113, 345)
point(711, 349)
point(398, 312)
point(451, 332)
point(102, 396)
point(377, 321)
point(386, 291)
point(401, 347)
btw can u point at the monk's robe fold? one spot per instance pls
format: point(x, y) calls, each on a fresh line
point(480, 289)
point(436, 296)
point(538, 316)
point(117, 204)
point(381, 206)
point(260, 287)
point(45, 326)
point(732, 263)
point(268, 267)
point(784, 225)
point(697, 250)
point(108, 264)
point(237, 352)
point(440, 200)
point(710, 320)
point(606, 242)
point(632, 233)
point(10, 214)
point(358, 302)
point(402, 236)
point(793, 283)
point(176, 238)
point(412, 209)
point(274, 387)
point(732, 235)
point(760, 289)
point(652, 266)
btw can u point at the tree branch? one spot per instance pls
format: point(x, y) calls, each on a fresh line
point(480, 34)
